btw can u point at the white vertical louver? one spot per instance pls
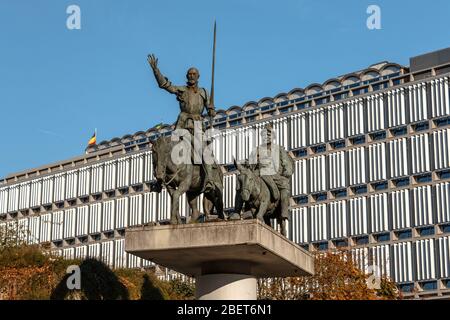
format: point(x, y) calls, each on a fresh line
point(418, 102)
point(440, 105)
point(137, 169)
point(443, 202)
point(35, 193)
point(396, 107)
point(13, 199)
point(355, 111)
point(82, 227)
point(300, 225)
point(423, 214)
point(281, 130)
point(72, 184)
point(358, 216)
point(148, 166)
point(337, 170)
point(298, 130)
point(377, 162)
point(81, 252)
point(299, 180)
point(398, 158)
point(4, 200)
point(68, 253)
point(108, 215)
point(379, 212)
point(97, 178)
point(357, 166)
point(246, 142)
point(57, 225)
point(135, 217)
point(420, 153)
point(47, 190)
point(108, 253)
point(360, 258)
point(34, 225)
point(164, 205)
point(381, 258)
point(70, 223)
point(84, 181)
point(24, 196)
point(425, 259)
point(229, 193)
point(317, 126)
point(122, 213)
point(317, 171)
point(110, 169)
point(94, 251)
point(46, 227)
point(95, 218)
point(402, 262)
point(338, 219)
point(336, 122)
point(318, 214)
point(444, 257)
point(375, 112)
point(123, 172)
point(150, 207)
point(120, 259)
point(441, 148)
point(59, 187)
point(401, 218)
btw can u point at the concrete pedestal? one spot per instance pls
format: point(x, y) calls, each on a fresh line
point(224, 286)
point(224, 257)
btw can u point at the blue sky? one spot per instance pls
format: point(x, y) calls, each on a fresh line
point(57, 85)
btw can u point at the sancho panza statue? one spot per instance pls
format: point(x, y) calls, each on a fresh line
point(193, 101)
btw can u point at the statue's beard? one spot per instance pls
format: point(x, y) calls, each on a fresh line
point(192, 83)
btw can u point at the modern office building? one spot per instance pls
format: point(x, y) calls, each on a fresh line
point(372, 173)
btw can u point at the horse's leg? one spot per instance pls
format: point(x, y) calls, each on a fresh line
point(192, 199)
point(218, 203)
point(262, 209)
point(175, 217)
point(267, 220)
point(282, 224)
point(207, 205)
point(238, 206)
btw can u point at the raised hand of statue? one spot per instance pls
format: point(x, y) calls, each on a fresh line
point(153, 61)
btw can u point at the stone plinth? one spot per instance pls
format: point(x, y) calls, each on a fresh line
point(222, 256)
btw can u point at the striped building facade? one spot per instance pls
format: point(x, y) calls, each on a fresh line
point(372, 173)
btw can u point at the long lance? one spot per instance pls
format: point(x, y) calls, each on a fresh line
point(211, 96)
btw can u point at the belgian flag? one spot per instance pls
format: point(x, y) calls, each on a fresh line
point(93, 139)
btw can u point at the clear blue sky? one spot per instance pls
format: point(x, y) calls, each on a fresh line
point(57, 85)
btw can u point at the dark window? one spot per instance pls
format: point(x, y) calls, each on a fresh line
point(429, 285)
point(409, 287)
point(444, 174)
point(358, 140)
point(446, 228)
point(320, 196)
point(380, 185)
point(421, 126)
point(401, 182)
point(426, 231)
point(383, 237)
point(319, 149)
point(399, 131)
point(442, 122)
point(378, 135)
point(424, 178)
point(338, 144)
point(235, 123)
point(301, 199)
point(404, 234)
point(341, 243)
point(300, 153)
point(340, 193)
point(362, 240)
point(322, 246)
point(360, 189)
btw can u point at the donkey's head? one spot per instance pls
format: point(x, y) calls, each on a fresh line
point(246, 180)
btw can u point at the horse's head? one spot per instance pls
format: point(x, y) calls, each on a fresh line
point(246, 180)
point(160, 153)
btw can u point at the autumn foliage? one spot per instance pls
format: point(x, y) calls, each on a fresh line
point(337, 277)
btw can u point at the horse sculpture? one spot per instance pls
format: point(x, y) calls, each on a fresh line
point(253, 195)
point(183, 178)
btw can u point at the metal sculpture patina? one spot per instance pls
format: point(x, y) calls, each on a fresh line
point(263, 185)
point(190, 177)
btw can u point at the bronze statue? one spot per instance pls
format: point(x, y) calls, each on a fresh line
point(193, 100)
point(263, 185)
point(183, 178)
